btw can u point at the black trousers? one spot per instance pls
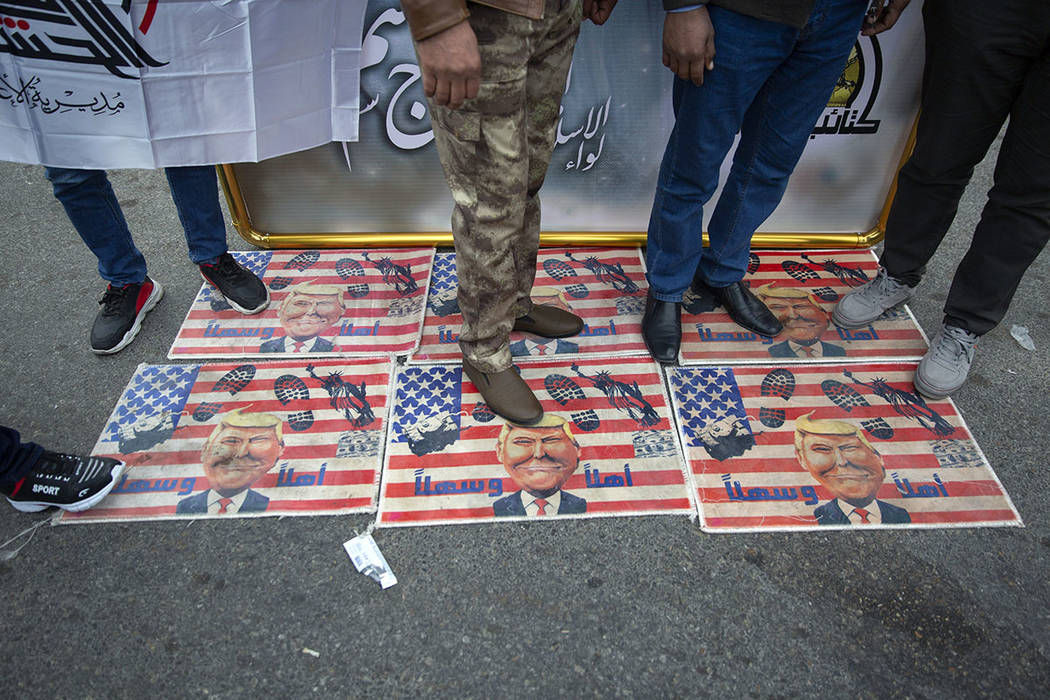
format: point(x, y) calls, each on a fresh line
point(986, 60)
point(16, 457)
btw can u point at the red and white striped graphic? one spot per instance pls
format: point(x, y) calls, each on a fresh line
point(383, 315)
point(711, 337)
point(933, 467)
point(328, 464)
point(629, 460)
point(605, 286)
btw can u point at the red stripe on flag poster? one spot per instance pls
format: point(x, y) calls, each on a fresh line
point(447, 514)
point(321, 504)
point(639, 505)
point(968, 516)
point(101, 511)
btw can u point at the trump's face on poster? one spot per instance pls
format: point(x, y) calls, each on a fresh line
point(310, 310)
point(845, 465)
point(539, 459)
point(236, 456)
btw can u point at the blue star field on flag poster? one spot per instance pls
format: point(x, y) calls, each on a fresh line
point(441, 300)
point(155, 390)
point(255, 260)
point(427, 408)
point(711, 411)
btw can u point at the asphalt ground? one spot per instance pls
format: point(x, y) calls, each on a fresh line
point(645, 606)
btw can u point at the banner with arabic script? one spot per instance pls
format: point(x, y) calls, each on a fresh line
point(801, 288)
point(606, 287)
point(245, 440)
point(352, 303)
point(606, 446)
point(145, 83)
point(613, 126)
point(846, 446)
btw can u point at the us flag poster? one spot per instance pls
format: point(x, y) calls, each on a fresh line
point(606, 446)
point(604, 286)
point(842, 446)
point(242, 440)
point(351, 303)
point(801, 288)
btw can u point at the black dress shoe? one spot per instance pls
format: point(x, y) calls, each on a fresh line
point(662, 328)
point(745, 308)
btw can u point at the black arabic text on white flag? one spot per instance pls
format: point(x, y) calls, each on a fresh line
point(148, 83)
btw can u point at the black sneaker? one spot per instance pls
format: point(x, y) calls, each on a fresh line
point(119, 319)
point(69, 482)
point(241, 288)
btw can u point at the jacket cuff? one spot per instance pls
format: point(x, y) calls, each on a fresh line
point(429, 17)
point(683, 5)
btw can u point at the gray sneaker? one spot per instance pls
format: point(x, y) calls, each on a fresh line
point(944, 367)
point(865, 304)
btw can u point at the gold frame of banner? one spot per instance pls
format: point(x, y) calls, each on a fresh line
point(242, 222)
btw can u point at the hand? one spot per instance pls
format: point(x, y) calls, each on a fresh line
point(451, 65)
point(598, 10)
point(689, 44)
point(880, 18)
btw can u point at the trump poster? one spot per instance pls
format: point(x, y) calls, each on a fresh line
point(246, 440)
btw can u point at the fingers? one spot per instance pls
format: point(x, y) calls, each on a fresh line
point(429, 84)
point(696, 72)
point(457, 91)
point(443, 92)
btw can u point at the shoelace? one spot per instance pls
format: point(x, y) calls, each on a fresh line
point(112, 300)
point(228, 267)
point(55, 466)
point(884, 286)
point(959, 342)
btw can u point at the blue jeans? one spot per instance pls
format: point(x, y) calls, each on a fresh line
point(16, 457)
point(770, 83)
point(95, 213)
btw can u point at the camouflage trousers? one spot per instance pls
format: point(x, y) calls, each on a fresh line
point(495, 151)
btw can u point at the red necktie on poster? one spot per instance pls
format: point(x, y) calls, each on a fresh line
point(807, 350)
point(863, 514)
point(224, 504)
point(300, 346)
point(541, 504)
